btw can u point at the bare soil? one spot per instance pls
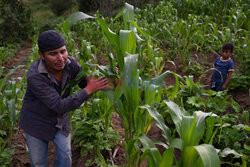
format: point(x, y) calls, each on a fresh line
point(21, 158)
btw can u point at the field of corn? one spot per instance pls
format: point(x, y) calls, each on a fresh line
point(140, 50)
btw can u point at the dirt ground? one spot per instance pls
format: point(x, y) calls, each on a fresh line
point(21, 158)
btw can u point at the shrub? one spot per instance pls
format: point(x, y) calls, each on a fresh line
point(16, 23)
point(60, 6)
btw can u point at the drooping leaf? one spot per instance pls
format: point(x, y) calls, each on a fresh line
point(200, 122)
point(176, 113)
point(226, 151)
point(208, 155)
point(72, 19)
point(201, 155)
point(128, 15)
point(159, 122)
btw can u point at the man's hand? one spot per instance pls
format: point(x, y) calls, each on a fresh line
point(94, 84)
point(224, 87)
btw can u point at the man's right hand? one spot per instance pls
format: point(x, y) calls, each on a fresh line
point(94, 84)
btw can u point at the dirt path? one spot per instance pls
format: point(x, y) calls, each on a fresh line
point(21, 58)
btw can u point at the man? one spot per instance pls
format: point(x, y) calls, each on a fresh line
point(44, 116)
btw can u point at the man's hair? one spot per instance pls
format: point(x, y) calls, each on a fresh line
point(228, 46)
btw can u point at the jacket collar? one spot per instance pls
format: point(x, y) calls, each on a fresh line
point(43, 69)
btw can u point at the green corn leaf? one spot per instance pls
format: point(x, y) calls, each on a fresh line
point(114, 40)
point(154, 156)
point(187, 131)
point(72, 19)
point(176, 113)
point(128, 15)
point(203, 155)
point(167, 158)
point(159, 122)
point(208, 155)
point(127, 41)
point(112, 62)
point(12, 109)
point(189, 157)
point(127, 75)
point(142, 122)
point(159, 80)
point(200, 123)
point(143, 33)
point(106, 71)
point(209, 128)
point(177, 143)
point(150, 95)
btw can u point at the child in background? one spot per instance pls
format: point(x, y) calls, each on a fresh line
point(224, 68)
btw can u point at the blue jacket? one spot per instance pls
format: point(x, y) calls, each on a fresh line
point(44, 110)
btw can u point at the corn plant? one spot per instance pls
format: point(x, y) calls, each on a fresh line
point(133, 92)
point(9, 115)
point(190, 129)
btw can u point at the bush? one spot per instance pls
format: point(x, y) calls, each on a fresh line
point(60, 6)
point(15, 21)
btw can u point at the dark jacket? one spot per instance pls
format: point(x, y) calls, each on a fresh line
point(44, 110)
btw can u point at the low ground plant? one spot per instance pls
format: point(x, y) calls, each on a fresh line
point(92, 130)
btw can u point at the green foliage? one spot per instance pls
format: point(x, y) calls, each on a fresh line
point(7, 52)
point(192, 96)
point(60, 6)
point(190, 130)
point(88, 6)
point(230, 13)
point(9, 114)
point(239, 81)
point(15, 24)
point(5, 153)
point(92, 129)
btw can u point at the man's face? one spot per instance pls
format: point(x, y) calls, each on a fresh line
point(55, 60)
point(226, 53)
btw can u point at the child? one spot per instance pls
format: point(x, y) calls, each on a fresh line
point(224, 68)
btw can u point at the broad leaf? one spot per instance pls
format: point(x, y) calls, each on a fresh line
point(208, 155)
point(159, 122)
point(176, 113)
point(225, 152)
point(167, 158)
point(202, 155)
point(200, 123)
point(128, 15)
point(187, 131)
point(127, 77)
point(72, 19)
point(127, 41)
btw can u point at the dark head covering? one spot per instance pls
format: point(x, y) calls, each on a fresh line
point(50, 40)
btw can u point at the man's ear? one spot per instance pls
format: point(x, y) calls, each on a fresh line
point(41, 54)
